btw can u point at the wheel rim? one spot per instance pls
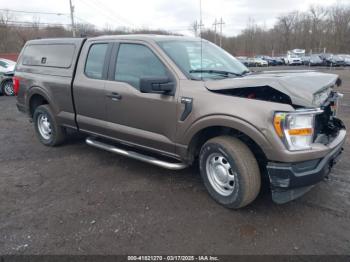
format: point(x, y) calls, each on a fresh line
point(221, 175)
point(44, 126)
point(8, 88)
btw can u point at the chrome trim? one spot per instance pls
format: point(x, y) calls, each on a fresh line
point(306, 111)
point(148, 159)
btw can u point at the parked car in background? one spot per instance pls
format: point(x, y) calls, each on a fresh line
point(243, 60)
point(305, 60)
point(334, 60)
point(293, 60)
point(7, 65)
point(315, 60)
point(270, 60)
point(7, 68)
point(346, 59)
point(258, 62)
point(279, 60)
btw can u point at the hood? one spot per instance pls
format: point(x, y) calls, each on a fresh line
point(299, 85)
point(10, 68)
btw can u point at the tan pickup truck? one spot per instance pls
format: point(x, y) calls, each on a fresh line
point(175, 101)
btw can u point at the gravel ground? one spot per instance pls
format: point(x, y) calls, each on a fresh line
point(75, 199)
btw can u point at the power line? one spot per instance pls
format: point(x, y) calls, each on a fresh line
point(103, 12)
point(113, 13)
point(35, 23)
point(32, 12)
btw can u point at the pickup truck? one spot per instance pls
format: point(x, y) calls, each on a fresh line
point(175, 101)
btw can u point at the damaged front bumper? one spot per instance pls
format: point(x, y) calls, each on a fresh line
point(291, 180)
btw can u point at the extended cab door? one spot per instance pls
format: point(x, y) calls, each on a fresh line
point(89, 87)
point(144, 119)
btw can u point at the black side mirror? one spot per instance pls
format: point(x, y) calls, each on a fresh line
point(161, 85)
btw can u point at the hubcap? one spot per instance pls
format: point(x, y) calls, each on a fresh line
point(220, 174)
point(44, 126)
point(8, 88)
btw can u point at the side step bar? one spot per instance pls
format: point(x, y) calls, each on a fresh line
point(148, 159)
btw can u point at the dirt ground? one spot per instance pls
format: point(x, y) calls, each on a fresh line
point(75, 199)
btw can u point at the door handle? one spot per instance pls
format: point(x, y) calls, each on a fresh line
point(115, 96)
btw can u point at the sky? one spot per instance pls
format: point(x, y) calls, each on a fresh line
point(172, 15)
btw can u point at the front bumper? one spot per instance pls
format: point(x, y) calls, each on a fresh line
point(291, 180)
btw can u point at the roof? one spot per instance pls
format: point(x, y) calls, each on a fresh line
point(145, 37)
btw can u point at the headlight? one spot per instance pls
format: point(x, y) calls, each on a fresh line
point(296, 129)
point(321, 96)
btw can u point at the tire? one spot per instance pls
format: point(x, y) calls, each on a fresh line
point(7, 88)
point(46, 128)
point(221, 154)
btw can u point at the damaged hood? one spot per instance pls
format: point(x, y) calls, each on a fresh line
point(299, 85)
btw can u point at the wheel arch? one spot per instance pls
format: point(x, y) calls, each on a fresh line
point(213, 126)
point(37, 97)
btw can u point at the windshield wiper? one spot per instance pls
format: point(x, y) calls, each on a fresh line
point(218, 72)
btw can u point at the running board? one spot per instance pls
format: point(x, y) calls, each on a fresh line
point(148, 159)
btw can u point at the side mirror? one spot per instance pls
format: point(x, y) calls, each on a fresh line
point(161, 85)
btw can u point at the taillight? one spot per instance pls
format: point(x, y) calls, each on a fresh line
point(15, 85)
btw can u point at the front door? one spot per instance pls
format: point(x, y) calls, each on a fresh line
point(144, 119)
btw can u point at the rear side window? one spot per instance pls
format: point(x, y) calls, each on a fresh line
point(136, 61)
point(96, 60)
point(55, 55)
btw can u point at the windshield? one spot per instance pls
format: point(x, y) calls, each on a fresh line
point(209, 63)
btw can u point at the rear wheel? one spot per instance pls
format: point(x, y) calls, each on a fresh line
point(230, 171)
point(46, 127)
point(7, 88)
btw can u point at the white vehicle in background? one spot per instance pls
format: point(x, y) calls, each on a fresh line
point(7, 65)
point(7, 68)
point(293, 60)
point(346, 59)
point(294, 57)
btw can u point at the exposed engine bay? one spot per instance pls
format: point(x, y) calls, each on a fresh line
point(327, 125)
point(265, 93)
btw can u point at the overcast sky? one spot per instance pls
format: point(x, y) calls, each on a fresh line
point(173, 15)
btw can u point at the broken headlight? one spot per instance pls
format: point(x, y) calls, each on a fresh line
point(296, 129)
point(321, 96)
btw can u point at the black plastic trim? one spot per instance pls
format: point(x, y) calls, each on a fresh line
point(293, 175)
point(188, 107)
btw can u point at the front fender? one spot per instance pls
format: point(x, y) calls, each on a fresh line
point(231, 122)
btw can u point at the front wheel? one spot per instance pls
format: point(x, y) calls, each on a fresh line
point(46, 127)
point(7, 88)
point(229, 171)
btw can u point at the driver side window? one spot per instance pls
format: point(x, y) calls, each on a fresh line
point(137, 61)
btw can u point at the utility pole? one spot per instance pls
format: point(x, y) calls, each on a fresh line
point(200, 19)
point(215, 24)
point(221, 23)
point(72, 17)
